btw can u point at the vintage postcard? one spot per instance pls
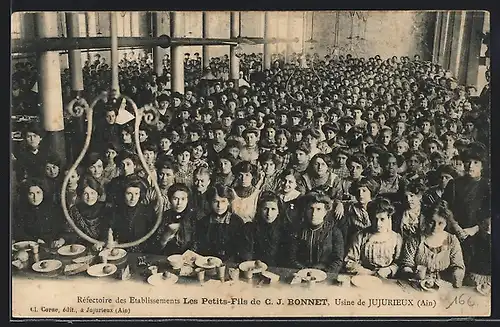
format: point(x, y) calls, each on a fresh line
point(250, 164)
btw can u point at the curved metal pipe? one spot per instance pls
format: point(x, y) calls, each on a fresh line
point(138, 117)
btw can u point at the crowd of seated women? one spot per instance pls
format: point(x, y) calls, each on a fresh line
point(350, 166)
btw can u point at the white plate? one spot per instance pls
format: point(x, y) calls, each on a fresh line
point(52, 265)
point(158, 280)
point(250, 265)
point(306, 274)
point(66, 250)
point(434, 287)
point(23, 245)
point(202, 262)
point(121, 253)
point(96, 270)
point(365, 281)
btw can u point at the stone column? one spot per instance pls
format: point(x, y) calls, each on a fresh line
point(49, 88)
point(74, 56)
point(457, 38)
point(176, 54)
point(113, 21)
point(234, 63)
point(267, 47)
point(157, 51)
point(205, 55)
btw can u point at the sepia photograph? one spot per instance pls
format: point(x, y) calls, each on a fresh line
point(236, 164)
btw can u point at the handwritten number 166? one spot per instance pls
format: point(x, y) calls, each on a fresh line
point(462, 300)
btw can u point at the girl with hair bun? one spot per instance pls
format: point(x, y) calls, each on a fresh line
point(247, 188)
point(269, 233)
point(318, 243)
point(356, 216)
point(376, 249)
point(176, 232)
point(409, 219)
point(223, 166)
point(271, 166)
point(94, 165)
point(289, 191)
point(320, 176)
point(132, 219)
point(438, 251)
point(390, 181)
point(111, 170)
point(36, 217)
point(89, 214)
point(222, 233)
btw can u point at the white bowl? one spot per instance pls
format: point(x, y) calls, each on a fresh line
point(176, 261)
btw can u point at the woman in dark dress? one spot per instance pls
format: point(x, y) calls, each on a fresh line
point(72, 196)
point(270, 232)
point(466, 195)
point(37, 217)
point(223, 168)
point(89, 214)
point(176, 232)
point(222, 233)
point(479, 270)
point(290, 195)
point(53, 178)
point(132, 219)
point(318, 243)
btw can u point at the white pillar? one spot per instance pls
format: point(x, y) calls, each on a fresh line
point(437, 37)
point(457, 42)
point(49, 87)
point(176, 54)
point(205, 56)
point(444, 38)
point(234, 64)
point(267, 47)
point(115, 84)
point(74, 56)
point(157, 51)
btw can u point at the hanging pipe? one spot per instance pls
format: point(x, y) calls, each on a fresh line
point(138, 117)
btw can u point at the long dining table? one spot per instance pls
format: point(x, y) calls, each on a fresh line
point(464, 300)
